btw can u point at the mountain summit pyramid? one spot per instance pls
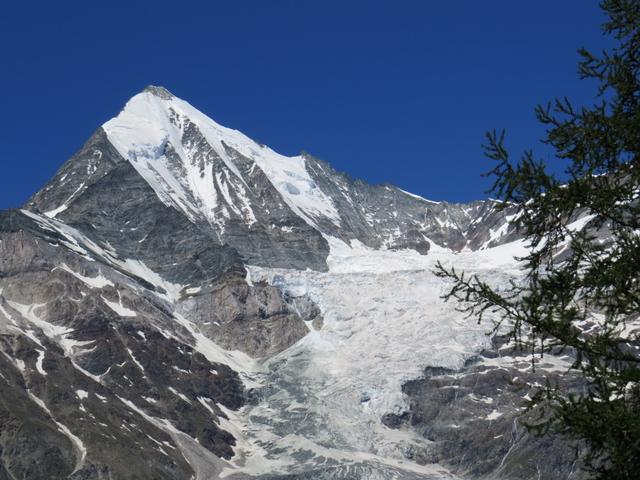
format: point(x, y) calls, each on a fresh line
point(181, 302)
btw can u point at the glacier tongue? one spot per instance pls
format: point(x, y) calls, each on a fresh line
point(383, 323)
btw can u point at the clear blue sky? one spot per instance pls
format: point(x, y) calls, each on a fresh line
point(388, 91)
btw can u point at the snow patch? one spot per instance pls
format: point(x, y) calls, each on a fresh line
point(418, 197)
point(75, 440)
point(182, 396)
point(39, 360)
point(493, 415)
point(118, 307)
point(93, 282)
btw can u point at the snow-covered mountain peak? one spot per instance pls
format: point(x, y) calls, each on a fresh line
point(194, 164)
point(275, 210)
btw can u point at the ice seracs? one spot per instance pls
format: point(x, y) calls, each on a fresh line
point(383, 323)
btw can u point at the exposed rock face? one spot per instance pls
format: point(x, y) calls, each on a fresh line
point(383, 216)
point(180, 302)
point(230, 310)
point(116, 208)
point(473, 417)
point(83, 346)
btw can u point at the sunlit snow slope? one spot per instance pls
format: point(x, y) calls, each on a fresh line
point(198, 173)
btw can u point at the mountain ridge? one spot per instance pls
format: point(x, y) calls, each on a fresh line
point(192, 167)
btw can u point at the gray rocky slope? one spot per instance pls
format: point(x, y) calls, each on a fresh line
point(182, 302)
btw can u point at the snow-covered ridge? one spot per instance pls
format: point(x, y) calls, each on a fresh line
point(152, 129)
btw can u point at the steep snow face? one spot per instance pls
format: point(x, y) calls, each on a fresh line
point(189, 160)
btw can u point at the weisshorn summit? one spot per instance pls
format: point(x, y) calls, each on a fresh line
point(181, 302)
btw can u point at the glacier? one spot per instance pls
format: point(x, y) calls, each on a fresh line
point(384, 322)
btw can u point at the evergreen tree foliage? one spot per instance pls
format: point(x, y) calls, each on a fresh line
point(578, 278)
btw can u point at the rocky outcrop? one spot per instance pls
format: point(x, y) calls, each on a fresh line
point(254, 319)
point(474, 421)
point(383, 216)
